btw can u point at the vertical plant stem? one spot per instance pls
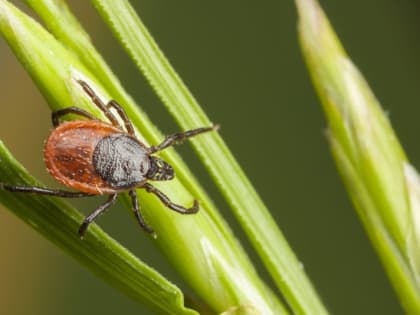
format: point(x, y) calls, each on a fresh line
point(368, 155)
point(253, 215)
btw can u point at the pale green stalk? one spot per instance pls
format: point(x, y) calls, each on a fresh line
point(248, 207)
point(382, 184)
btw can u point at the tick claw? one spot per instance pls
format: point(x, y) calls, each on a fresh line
point(194, 208)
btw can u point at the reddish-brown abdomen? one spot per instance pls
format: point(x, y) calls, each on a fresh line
point(68, 154)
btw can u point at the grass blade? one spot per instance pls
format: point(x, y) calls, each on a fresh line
point(254, 217)
point(380, 181)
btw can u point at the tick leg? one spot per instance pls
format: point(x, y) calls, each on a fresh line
point(44, 191)
point(69, 110)
point(167, 202)
point(180, 137)
point(128, 125)
point(96, 213)
point(140, 219)
point(97, 101)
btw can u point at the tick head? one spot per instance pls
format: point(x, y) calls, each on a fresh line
point(159, 170)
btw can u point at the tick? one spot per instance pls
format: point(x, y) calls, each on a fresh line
point(105, 158)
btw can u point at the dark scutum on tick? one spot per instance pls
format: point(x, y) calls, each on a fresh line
point(121, 161)
point(100, 158)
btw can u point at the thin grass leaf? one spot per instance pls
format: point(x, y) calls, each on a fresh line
point(200, 246)
point(382, 185)
point(254, 217)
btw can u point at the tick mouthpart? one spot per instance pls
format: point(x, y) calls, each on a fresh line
point(160, 170)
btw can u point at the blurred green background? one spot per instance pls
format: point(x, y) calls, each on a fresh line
point(242, 62)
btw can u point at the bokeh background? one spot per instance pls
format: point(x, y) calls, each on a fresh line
point(242, 62)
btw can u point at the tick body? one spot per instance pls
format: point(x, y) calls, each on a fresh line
point(95, 157)
point(99, 158)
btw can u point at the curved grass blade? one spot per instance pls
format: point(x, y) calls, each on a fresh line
point(253, 215)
